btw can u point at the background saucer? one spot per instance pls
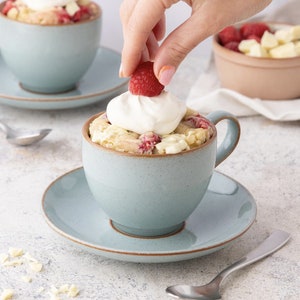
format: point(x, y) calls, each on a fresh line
point(99, 83)
point(226, 212)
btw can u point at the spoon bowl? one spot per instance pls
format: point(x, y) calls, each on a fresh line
point(204, 292)
point(211, 290)
point(23, 137)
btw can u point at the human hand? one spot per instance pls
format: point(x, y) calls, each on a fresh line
point(143, 24)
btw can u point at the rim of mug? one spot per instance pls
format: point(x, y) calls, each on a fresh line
point(87, 138)
point(95, 17)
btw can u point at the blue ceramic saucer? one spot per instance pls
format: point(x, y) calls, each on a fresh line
point(100, 82)
point(226, 212)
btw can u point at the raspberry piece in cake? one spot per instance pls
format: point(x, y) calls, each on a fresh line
point(148, 142)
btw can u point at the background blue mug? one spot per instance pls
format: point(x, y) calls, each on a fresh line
point(49, 58)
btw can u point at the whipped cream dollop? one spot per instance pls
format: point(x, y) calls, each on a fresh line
point(140, 114)
point(45, 4)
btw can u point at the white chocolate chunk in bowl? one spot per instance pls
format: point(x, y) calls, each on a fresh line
point(284, 51)
point(268, 40)
point(283, 36)
point(257, 50)
point(245, 45)
point(295, 32)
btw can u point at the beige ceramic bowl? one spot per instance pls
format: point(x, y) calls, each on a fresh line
point(264, 78)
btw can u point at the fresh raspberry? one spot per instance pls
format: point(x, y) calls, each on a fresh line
point(234, 46)
point(229, 34)
point(82, 14)
point(256, 29)
point(254, 37)
point(63, 17)
point(197, 121)
point(7, 6)
point(144, 82)
point(148, 142)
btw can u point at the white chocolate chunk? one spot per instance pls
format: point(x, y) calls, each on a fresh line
point(26, 279)
point(268, 40)
point(29, 257)
point(73, 291)
point(13, 262)
point(70, 290)
point(15, 252)
point(295, 32)
point(63, 288)
point(283, 36)
point(3, 258)
point(284, 51)
point(72, 7)
point(245, 45)
point(257, 51)
point(54, 290)
point(7, 294)
point(12, 13)
point(297, 47)
point(172, 144)
point(35, 266)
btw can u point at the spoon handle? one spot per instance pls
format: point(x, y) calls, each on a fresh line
point(273, 243)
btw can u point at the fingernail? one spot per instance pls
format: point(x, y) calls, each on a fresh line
point(121, 71)
point(165, 74)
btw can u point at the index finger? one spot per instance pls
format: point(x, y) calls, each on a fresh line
point(137, 29)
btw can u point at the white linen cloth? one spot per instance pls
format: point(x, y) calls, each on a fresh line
point(207, 95)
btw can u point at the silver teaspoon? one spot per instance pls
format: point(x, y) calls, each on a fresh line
point(211, 291)
point(23, 137)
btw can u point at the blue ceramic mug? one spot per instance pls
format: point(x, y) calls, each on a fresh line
point(153, 195)
point(49, 58)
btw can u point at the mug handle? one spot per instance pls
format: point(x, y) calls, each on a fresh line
point(232, 135)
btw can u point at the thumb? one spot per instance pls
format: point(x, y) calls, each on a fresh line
point(177, 45)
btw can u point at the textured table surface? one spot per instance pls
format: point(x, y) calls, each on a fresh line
point(266, 162)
